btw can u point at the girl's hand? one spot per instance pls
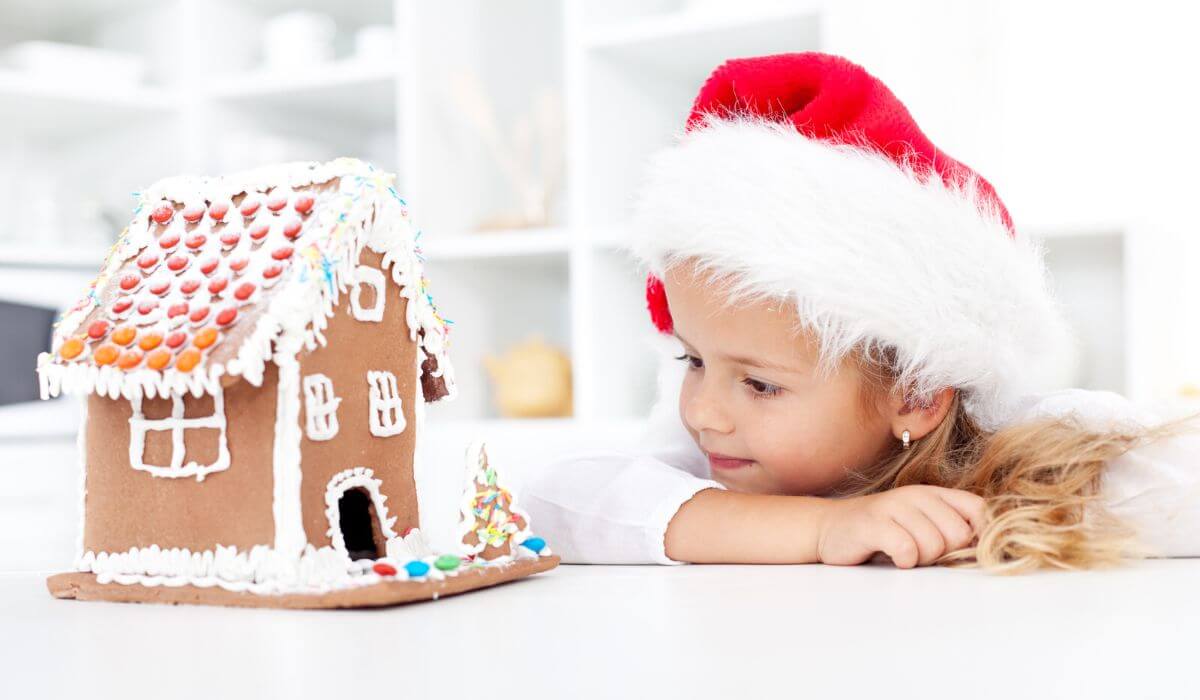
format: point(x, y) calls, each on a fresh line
point(914, 525)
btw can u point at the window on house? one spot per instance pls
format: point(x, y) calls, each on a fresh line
point(171, 438)
point(320, 408)
point(387, 413)
point(371, 280)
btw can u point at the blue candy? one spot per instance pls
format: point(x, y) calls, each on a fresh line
point(416, 568)
point(534, 544)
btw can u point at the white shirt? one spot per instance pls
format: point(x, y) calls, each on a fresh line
point(613, 506)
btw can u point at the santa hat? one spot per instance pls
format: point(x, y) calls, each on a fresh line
point(800, 177)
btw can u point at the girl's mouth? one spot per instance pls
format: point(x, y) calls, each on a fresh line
point(718, 461)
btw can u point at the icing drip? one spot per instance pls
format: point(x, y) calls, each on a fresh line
point(358, 477)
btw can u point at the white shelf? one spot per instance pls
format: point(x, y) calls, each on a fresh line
point(680, 42)
point(363, 92)
point(72, 258)
point(496, 244)
point(38, 106)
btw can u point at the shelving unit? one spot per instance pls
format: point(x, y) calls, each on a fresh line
point(626, 73)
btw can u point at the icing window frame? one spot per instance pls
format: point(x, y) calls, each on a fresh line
point(386, 407)
point(320, 408)
point(373, 277)
point(178, 425)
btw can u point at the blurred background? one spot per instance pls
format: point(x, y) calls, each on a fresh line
point(518, 129)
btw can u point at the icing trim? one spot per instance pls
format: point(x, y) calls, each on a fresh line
point(286, 473)
point(386, 405)
point(139, 425)
point(373, 277)
point(320, 408)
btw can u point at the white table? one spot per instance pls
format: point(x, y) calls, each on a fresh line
point(694, 631)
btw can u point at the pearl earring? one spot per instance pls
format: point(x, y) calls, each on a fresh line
point(905, 437)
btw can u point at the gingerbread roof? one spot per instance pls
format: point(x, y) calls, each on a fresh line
point(214, 276)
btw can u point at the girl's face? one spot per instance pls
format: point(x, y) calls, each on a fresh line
point(753, 403)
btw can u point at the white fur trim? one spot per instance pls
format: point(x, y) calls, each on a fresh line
point(873, 254)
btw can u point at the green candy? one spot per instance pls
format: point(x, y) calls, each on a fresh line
point(447, 562)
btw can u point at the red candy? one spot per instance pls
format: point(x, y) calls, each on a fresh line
point(209, 265)
point(291, 228)
point(163, 213)
point(384, 569)
point(128, 282)
point(169, 240)
point(218, 210)
point(243, 292)
point(282, 252)
point(193, 213)
point(147, 306)
point(160, 286)
point(230, 238)
point(227, 316)
point(304, 203)
point(147, 260)
point(189, 286)
point(97, 329)
point(195, 241)
point(239, 264)
point(259, 231)
point(176, 339)
point(277, 201)
point(218, 284)
point(177, 309)
point(272, 272)
point(120, 306)
point(199, 314)
point(177, 263)
point(250, 205)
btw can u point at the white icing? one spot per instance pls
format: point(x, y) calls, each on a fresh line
point(177, 424)
point(476, 468)
point(387, 412)
point(358, 477)
point(320, 408)
point(285, 507)
point(374, 278)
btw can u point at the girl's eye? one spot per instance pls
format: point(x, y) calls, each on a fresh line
point(761, 390)
point(693, 361)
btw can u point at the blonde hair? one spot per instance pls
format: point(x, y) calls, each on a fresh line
point(1040, 479)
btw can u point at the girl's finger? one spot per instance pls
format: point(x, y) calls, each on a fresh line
point(956, 530)
point(899, 544)
point(930, 543)
point(971, 507)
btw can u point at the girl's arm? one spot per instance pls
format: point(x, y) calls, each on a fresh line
point(913, 525)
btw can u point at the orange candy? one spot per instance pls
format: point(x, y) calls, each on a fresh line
point(71, 348)
point(124, 335)
point(130, 359)
point(150, 341)
point(187, 360)
point(205, 338)
point(158, 359)
point(106, 354)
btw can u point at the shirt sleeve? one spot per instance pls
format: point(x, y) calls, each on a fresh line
point(1154, 487)
point(613, 506)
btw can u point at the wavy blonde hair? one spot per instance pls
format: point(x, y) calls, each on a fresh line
point(1039, 479)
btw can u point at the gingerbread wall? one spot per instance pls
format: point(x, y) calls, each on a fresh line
point(356, 347)
point(125, 507)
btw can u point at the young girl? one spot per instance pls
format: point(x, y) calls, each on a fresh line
point(865, 341)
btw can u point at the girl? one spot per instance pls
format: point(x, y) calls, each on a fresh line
point(863, 337)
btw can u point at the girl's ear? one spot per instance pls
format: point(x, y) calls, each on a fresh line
point(920, 420)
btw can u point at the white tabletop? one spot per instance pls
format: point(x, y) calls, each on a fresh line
point(602, 631)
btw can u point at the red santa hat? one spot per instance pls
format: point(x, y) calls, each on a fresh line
point(800, 177)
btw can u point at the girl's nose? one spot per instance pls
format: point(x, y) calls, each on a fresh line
point(705, 410)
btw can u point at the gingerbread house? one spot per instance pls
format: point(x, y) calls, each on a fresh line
point(254, 359)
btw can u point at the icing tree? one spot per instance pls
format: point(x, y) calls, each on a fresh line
point(492, 524)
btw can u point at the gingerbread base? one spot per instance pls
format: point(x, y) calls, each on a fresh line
point(81, 586)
